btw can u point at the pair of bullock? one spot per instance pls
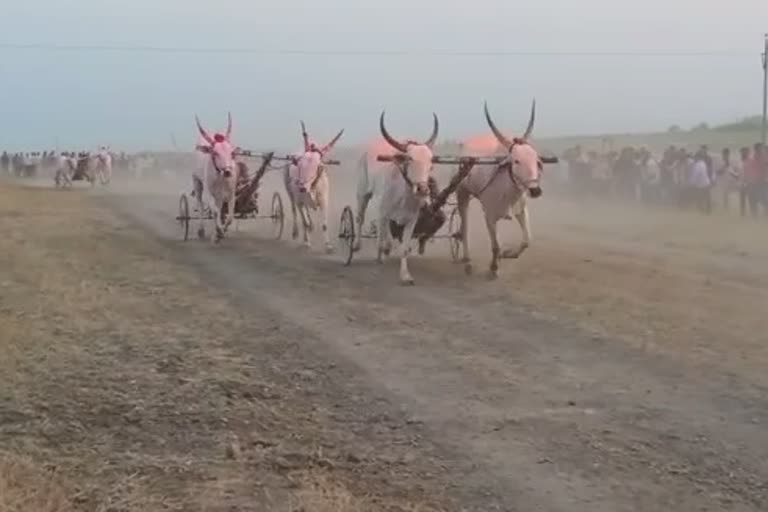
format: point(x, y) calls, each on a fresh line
point(70, 167)
point(306, 182)
point(402, 186)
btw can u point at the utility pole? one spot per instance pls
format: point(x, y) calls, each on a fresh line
point(765, 90)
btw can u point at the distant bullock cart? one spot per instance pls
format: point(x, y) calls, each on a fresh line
point(83, 167)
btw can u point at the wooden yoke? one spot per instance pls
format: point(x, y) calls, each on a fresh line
point(278, 158)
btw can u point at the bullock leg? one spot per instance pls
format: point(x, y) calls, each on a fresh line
point(197, 189)
point(295, 230)
point(323, 206)
point(230, 210)
point(493, 271)
point(306, 224)
point(463, 199)
point(384, 239)
point(525, 225)
point(405, 251)
point(217, 233)
point(362, 206)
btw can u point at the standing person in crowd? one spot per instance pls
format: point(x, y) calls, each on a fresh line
point(700, 183)
point(5, 163)
point(754, 180)
point(728, 177)
point(668, 162)
point(762, 162)
point(650, 186)
point(744, 159)
point(578, 171)
point(704, 151)
point(683, 165)
point(624, 171)
point(601, 176)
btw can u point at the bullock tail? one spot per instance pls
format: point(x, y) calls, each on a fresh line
point(364, 178)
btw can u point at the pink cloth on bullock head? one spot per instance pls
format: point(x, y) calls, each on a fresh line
point(379, 147)
point(481, 145)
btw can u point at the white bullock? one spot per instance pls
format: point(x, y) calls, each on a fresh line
point(215, 180)
point(402, 188)
point(501, 189)
point(308, 189)
point(66, 166)
point(103, 163)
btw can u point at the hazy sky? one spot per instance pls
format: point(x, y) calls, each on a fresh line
point(131, 99)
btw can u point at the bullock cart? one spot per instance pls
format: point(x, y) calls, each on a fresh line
point(76, 168)
point(432, 217)
point(246, 199)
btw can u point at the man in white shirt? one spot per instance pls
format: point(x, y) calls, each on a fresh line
point(700, 182)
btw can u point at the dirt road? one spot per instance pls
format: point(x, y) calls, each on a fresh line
point(619, 366)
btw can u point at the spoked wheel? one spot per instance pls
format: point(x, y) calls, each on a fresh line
point(183, 217)
point(454, 234)
point(277, 216)
point(347, 235)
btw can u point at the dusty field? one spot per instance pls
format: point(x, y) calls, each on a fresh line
point(129, 383)
point(619, 366)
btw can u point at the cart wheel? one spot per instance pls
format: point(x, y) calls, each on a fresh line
point(454, 234)
point(277, 216)
point(183, 217)
point(347, 235)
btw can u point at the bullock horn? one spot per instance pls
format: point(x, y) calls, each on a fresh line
point(531, 121)
point(205, 135)
point(229, 124)
point(305, 136)
point(435, 131)
point(333, 142)
point(500, 136)
point(392, 142)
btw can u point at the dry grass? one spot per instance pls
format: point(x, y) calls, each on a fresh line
point(123, 380)
point(25, 487)
point(321, 493)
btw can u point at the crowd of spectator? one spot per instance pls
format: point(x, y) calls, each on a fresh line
point(678, 177)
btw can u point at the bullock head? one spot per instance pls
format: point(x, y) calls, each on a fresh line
point(310, 163)
point(523, 159)
point(219, 147)
point(414, 158)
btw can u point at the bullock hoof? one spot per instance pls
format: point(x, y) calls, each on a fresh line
point(468, 269)
point(201, 233)
point(329, 249)
point(493, 275)
point(511, 254)
point(407, 282)
point(422, 247)
point(295, 234)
